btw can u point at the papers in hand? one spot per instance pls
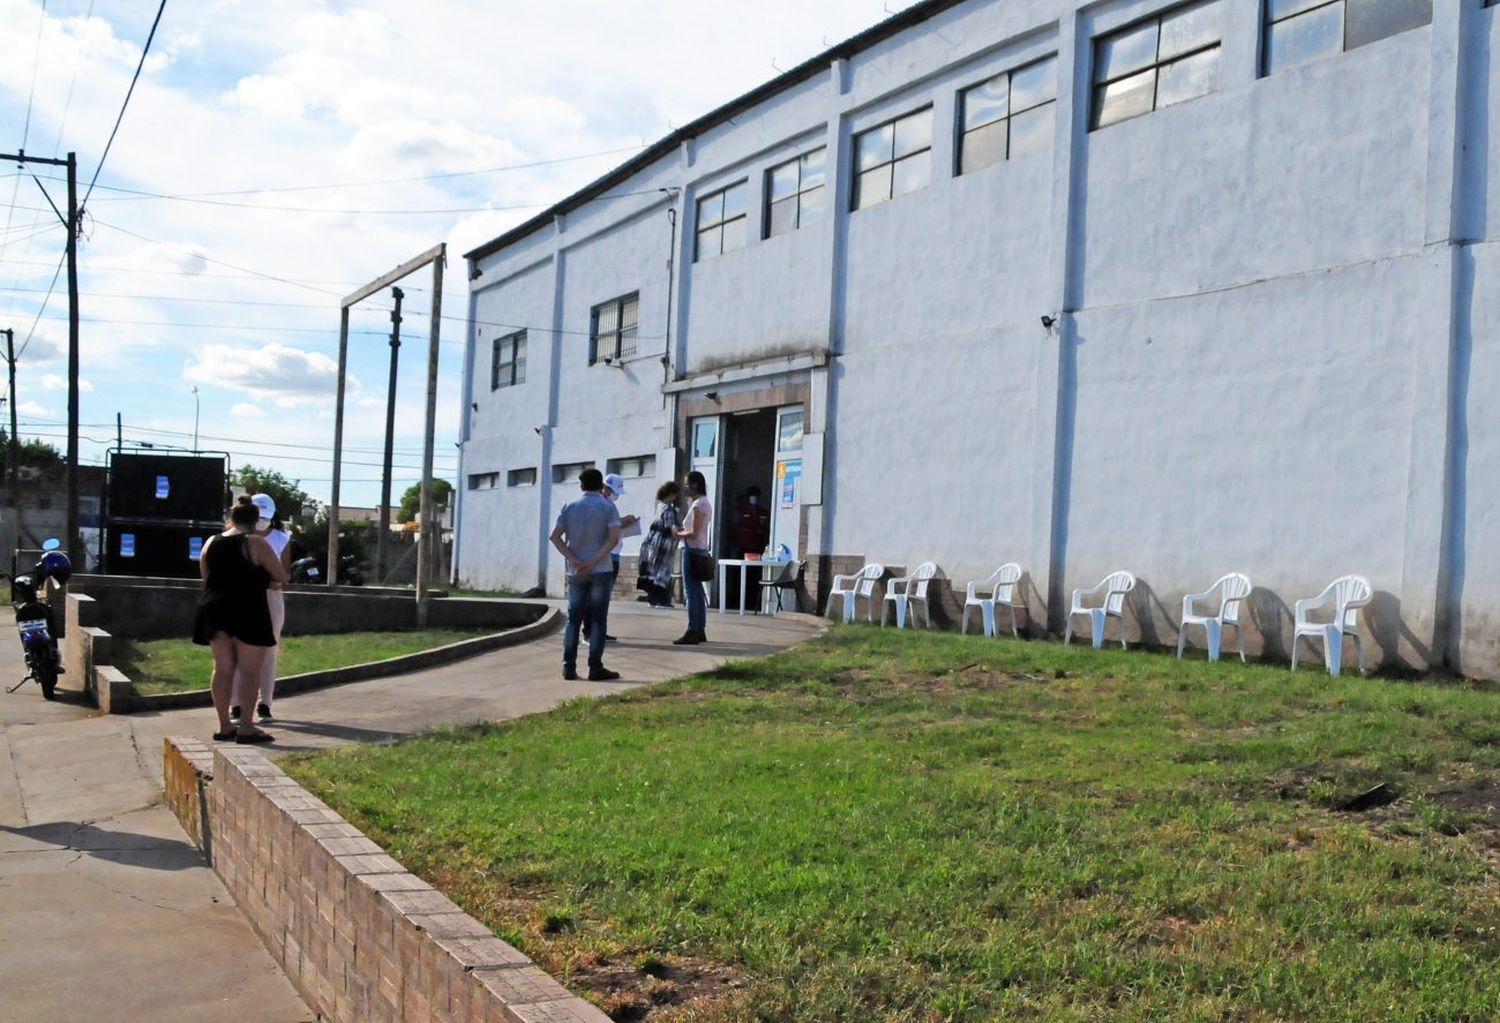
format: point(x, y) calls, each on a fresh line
point(634, 529)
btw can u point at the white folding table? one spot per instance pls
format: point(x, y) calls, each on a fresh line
point(742, 564)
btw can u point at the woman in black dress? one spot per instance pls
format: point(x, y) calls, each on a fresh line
point(233, 617)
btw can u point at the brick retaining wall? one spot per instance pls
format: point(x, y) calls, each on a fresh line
point(361, 938)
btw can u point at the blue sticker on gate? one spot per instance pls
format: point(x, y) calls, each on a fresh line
point(163, 487)
point(127, 545)
point(195, 547)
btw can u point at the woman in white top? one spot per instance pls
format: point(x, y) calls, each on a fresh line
point(694, 532)
point(270, 527)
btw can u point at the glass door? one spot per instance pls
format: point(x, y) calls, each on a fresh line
point(786, 515)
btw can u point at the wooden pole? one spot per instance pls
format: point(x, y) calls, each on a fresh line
point(338, 450)
point(427, 525)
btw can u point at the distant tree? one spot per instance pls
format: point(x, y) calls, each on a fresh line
point(290, 498)
point(39, 454)
point(411, 501)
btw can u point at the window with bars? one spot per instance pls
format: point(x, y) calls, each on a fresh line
point(722, 218)
point(1297, 31)
point(1151, 64)
point(521, 477)
point(794, 193)
point(1007, 116)
point(509, 365)
point(613, 328)
point(568, 472)
point(484, 480)
point(893, 159)
point(637, 465)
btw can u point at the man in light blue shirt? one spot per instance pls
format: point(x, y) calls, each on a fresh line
point(587, 530)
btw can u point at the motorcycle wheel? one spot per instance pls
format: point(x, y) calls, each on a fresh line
point(45, 671)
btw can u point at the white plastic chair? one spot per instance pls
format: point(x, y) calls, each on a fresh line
point(1231, 590)
point(909, 589)
point(1114, 587)
point(1349, 593)
point(997, 590)
point(853, 587)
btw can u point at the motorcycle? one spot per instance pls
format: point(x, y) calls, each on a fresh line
point(34, 618)
point(310, 570)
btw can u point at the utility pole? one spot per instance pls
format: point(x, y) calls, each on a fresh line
point(70, 221)
point(75, 548)
point(390, 439)
point(14, 445)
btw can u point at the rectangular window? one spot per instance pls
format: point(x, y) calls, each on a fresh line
point(568, 472)
point(892, 159)
point(509, 365)
point(722, 217)
point(1007, 116)
point(1155, 63)
point(484, 480)
point(613, 327)
point(1297, 31)
point(521, 477)
point(794, 194)
point(638, 466)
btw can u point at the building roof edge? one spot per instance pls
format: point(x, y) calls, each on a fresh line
point(877, 33)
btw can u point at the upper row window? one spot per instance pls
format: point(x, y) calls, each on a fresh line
point(1008, 115)
point(1158, 62)
point(893, 159)
point(794, 193)
point(508, 365)
point(1298, 31)
point(613, 329)
point(721, 221)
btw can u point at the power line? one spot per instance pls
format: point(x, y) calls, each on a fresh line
point(265, 207)
point(217, 262)
point(139, 194)
point(43, 307)
point(237, 449)
point(128, 93)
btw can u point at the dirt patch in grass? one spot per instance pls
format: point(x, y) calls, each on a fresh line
point(631, 984)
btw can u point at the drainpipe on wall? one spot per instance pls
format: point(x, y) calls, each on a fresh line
point(669, 401)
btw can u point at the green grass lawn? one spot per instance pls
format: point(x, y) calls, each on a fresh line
point(882, 826)
point(178, 665)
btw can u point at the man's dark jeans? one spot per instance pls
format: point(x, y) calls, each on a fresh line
point(588, 602)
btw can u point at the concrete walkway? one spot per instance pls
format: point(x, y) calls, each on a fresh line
point(107, 911)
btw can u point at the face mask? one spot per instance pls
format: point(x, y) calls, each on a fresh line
point(261, 525)
point(754, 500)
point(612, 497)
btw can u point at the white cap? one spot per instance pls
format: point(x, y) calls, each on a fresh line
point(616, 483)
point(266, 505)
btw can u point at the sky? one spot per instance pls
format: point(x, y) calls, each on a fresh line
point(277, 155)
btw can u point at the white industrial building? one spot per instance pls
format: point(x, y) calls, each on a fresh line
point(1178, 288)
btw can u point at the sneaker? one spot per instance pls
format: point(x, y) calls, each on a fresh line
point(263, 711)
point(234, 713)
point(603, 675)
point(611, 639)
point(569, 675)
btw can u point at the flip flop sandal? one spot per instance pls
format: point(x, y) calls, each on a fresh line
point(228, 736)
point(254, 737)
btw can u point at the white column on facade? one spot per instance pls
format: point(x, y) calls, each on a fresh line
point(1054, 387)
point(554, 391)
point(835, 227)
point(1438, 376)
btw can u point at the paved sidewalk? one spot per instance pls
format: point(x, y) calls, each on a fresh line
point(108, 912)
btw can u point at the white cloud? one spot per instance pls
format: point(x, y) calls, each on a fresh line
point(31, 408)
point(53, 382)
point(289, 376)
point(247, 410)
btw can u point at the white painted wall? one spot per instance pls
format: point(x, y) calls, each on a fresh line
point(1274, 349)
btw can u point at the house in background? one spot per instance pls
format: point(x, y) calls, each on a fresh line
point(1183, 288)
